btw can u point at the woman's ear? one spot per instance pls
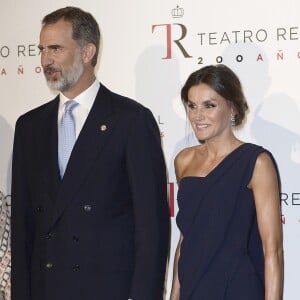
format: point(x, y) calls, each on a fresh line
point(233, 111)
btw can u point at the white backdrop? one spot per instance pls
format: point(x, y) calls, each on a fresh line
point(149, 49)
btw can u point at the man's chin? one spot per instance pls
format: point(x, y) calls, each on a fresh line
point(54, 85)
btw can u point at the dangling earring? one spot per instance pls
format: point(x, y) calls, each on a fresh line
point(232, 120)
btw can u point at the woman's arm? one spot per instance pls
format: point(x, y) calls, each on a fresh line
point(264, 184)
point(179, 163)
point(175, 284)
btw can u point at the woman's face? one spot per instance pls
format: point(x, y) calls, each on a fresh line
point(208, 112)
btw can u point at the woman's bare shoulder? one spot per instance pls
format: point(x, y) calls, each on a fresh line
point(183, 160)
point(186, 154)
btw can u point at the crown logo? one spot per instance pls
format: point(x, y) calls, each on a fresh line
point(177, 12)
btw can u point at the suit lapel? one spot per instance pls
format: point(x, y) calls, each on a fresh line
point(46, 157)
point(93, 137)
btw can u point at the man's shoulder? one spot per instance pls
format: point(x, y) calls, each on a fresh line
point(123, 102)
point(39, 111)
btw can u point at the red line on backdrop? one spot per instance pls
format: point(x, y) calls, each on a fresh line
point(171, 198)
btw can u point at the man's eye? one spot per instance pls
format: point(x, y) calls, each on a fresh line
point(57, 49)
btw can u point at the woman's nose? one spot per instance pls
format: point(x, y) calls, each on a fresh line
point(199, 114)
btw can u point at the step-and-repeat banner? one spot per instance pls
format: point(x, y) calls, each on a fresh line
point(149, 49)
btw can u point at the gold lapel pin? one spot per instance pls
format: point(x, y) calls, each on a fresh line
point(103, 127)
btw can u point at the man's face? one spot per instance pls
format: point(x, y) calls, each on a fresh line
point(60, 56)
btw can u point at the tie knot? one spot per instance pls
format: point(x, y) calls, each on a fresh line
point(70, 105)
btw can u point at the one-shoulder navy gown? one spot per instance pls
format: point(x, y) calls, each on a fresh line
point(221, 255)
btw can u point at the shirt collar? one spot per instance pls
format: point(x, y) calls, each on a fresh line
point(86, 98)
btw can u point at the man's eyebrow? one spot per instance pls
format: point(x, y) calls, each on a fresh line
point(55, 46)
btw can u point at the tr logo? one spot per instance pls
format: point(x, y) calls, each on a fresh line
point(169, 38)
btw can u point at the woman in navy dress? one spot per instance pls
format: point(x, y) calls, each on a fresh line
point(230, 246)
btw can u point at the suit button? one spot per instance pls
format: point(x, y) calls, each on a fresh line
point(87, 208)
point(76, 268)
point(40, 208)
point(75, 239)
point(49, 236)
point(49, 265)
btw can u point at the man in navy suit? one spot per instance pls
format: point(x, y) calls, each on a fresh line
point(100, 230)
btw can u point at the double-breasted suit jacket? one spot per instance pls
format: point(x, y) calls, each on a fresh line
point(102, 231)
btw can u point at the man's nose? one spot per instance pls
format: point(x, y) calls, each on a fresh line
point(46, 58)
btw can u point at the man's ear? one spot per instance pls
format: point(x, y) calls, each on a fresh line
point(88, 52)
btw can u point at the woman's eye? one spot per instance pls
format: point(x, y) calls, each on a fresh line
point(210, 105)
point(191, 105)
